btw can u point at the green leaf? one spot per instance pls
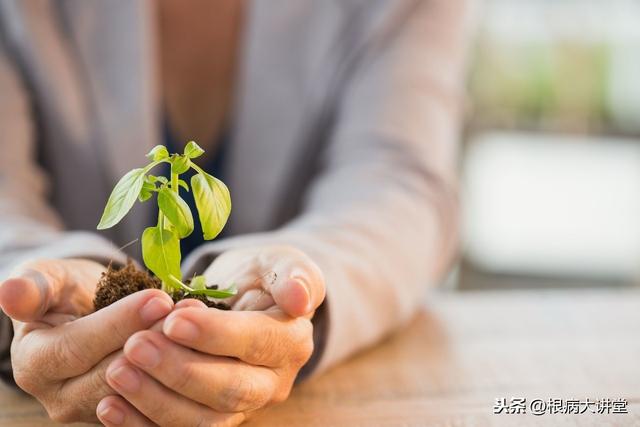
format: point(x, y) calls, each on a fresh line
point(176, 210)
point(216, 293)
point(182, 183)
point(193, 150)
point(198, 283)
point(122, 198)
point(159, 152)
point(213, 202)
point(145, 195)
point(147, 191)
point(161, 253)
point(153, 179)
point(179, 164)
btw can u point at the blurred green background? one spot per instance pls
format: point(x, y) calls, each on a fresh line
point(551, 160)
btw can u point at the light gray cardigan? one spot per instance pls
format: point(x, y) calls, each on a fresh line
point(343, 142)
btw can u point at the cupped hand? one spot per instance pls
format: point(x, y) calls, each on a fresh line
point(61, 350)
point(214, 367)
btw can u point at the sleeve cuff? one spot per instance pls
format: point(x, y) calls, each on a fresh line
point(6, 336)
point(320, 333)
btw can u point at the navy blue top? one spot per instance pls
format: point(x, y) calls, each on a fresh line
point(213, 164)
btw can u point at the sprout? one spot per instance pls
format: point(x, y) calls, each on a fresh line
point(161, 243)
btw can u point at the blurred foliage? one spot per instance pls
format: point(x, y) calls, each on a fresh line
point(544, 86)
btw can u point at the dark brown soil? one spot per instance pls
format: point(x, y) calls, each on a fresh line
point(179, 295)
point(117, 283)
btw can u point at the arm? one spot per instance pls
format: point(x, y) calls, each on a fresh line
point(380, 219)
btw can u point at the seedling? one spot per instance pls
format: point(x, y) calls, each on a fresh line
point(161, 243)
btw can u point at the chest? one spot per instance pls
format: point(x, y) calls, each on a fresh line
point(197, 51)
point(94, 74)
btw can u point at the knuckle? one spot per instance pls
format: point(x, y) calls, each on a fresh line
point(261, 349)
point(98, 381)
point(26, 381)
point(57, 407)
point(303, 354)
point(62, 413)
point(68, 352)
point(281, 395)
point(25, 371)
point(241, 395)
point(302, 342)
point(182, 377)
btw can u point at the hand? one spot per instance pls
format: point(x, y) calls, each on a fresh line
point(212, 367)
point(59, 356)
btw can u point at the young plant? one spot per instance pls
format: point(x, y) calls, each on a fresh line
point(161, 243)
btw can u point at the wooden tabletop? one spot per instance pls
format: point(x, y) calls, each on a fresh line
point(460, 354)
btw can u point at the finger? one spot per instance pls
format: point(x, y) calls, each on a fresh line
point(41, 286)
point(288, 274)
point(159, 404)
point(254, 299)
point(189, 302)
point(221, 383)
point(260, 338)
point(78, 395)
point(114, 411)
point(298, 287)
point(73, 348)
point(25, 298)
point(297, 296)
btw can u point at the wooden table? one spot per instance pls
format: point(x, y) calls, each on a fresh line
point(464, 350)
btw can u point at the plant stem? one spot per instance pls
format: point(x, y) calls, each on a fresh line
point(197, 168)
point(175, 187)
point(160, 220)
point(165, 286)
point(174, 182)
point(177, 284)
point(214, 293)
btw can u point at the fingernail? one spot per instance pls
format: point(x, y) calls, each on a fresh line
point(189, 302)
point(144, 354)
point(181, 329)
point(305, 288)
point(111, 414)
point(155, 309)
point(309, 304)
point(126, 378)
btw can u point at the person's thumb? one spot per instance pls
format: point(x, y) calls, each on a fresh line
point(36, 288)
point(298, 294)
